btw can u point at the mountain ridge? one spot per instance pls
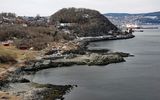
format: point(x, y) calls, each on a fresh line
point(123, 14)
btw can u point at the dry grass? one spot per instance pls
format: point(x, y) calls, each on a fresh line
point(7, 96)
point(18, 55)
point(7, 52)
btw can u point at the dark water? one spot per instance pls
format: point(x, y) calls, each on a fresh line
point(136, 79)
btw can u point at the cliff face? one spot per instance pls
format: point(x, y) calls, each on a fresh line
point(82, 22)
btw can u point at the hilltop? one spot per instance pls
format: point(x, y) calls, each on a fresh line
point(82, 22)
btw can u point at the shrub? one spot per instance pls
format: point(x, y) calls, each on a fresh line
point(7, 57)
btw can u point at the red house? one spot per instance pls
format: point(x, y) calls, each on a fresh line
point(6, 43)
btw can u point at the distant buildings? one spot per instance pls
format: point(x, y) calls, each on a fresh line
point(139, 19)
point(11, 18)
point(7, 43)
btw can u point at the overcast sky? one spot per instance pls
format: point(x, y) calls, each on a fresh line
point(48, 7)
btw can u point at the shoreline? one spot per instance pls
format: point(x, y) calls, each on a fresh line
point(105, 38)
point(84, 41)
point(81, 56)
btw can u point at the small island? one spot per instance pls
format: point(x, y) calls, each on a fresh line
point(30, 44)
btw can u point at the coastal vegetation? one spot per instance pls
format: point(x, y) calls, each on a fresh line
point(36, 37)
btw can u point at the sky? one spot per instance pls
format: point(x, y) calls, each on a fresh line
point(48, 7)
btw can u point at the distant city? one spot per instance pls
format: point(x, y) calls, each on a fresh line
point(120, 19)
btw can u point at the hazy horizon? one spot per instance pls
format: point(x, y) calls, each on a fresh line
point(48, 7)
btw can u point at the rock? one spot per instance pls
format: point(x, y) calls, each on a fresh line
point(47, 91)
point(52, 57)
point(38, 64)
point(19, 80)
point(46, 62)
point(100, 51)
point(70, 56)
point(3, 83)
point(122, 54)
point(52, 51)
point(97, 59)
point(23, 80)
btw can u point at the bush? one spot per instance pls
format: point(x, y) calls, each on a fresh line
point(7, 59)
point(13, 31)
point(36, 37)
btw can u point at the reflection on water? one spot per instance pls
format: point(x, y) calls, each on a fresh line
point(136, 79)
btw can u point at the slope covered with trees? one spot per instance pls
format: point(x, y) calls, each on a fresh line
point(66, 24)
point(82, 22)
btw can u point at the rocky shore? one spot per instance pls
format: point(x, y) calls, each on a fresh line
point(18, 87)
point(107, 37)
point(81, 56)
point(95, 57)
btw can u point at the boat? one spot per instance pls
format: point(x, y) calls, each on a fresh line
point(133, 26)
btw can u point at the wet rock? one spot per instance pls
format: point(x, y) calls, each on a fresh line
point(19, 80)
point(47, 92)
point(3, 83)
point(23, 80)
point(122, 54)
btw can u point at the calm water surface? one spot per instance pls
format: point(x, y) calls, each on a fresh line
point(136, 79)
